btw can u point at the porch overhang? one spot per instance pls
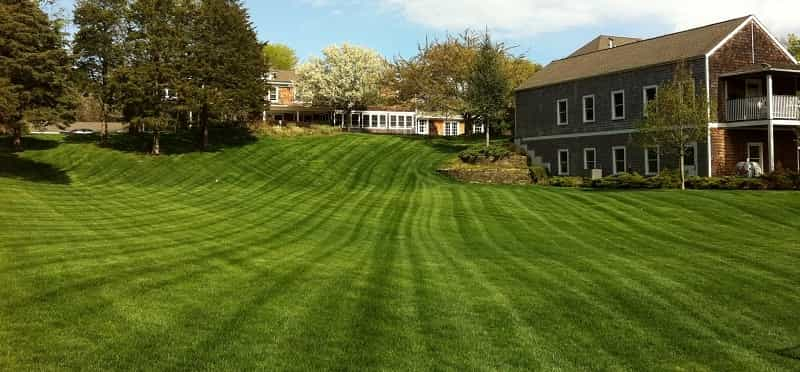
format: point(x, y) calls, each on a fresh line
point(763, 68)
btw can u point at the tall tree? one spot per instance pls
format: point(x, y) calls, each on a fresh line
point(793, 44)
point(436, 79)
point(280, 56)
point(226, 66)
point(98, 46)
point(488, 86)
point(346, 78)
point(155, 51)
point(34, 69)
point(677, 117)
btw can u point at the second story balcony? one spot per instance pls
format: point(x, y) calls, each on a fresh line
point(765, 93)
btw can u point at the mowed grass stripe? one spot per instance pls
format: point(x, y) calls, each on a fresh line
point(350, 252)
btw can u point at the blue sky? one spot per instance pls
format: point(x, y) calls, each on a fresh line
point(542, 29)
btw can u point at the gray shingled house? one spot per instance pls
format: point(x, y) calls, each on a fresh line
point(579, 113)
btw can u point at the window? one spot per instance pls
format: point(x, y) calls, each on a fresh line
point(374, 122)
point(409, 121)
point(356, 119)
point(563, 162)
point(477, 128)
point(561, 109)
point(451, 128)
point(383, 121)
point(588, 109)
point(618, 105)
point(755, 153)
point(365, 121)
point(393, 121)
point(690, 159)
point(618, 155)
point(589, 158)
point(649, 95)
point(273, 94)
point(422, 126)
point(652, 161)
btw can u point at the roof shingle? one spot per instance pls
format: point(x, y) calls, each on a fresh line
point(649, 52)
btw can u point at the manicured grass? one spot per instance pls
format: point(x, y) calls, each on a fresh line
point(350, 252)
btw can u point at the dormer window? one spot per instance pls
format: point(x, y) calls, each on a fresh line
point(611, 43)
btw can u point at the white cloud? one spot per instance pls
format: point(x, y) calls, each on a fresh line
point(531, 17)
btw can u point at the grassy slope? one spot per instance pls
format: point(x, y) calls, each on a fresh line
point(350, 252)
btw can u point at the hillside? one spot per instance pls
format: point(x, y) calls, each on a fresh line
point(351, 252)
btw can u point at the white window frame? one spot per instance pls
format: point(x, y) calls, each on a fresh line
point(277, 92)
point(451, 124)
point(761, 154)
point(422, 126)
point(566, 111)
point(477, 128)
point(647, 170)
point(594, 108)
point(560, 171)
point(644, 98)
point(585, 162)
point(614, 105)
point(614, 149)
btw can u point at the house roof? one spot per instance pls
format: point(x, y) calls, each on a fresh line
point(603, 42)
point(284, 75)
point(683, 45)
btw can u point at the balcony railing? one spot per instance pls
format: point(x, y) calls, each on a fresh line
point(757, 108)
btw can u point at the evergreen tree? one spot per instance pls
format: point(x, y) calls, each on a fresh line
point(226, 68)
point(154, 52)
point(34, 69)
point(98, 47)
point(487, 90)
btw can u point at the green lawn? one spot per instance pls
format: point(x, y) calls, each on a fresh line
point(350, 252)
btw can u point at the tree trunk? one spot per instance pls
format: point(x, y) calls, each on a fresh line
point(17, 142)
point(683, 172)
point(104, 117)
point(156, 145)
point(349, 114)
point(486, 129)
point(204, 128)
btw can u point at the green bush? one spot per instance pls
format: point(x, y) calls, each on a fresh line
point(539, 174)
point(565, 181)
point(782, 180)
point(493, 153)
point(623, 181)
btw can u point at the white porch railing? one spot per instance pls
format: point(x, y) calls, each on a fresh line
point(757, 108)
point(786, 107)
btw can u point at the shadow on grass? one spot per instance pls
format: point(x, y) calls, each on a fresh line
point(13, 166)
point(182, 142)
point(16, 167)
point(790, 352)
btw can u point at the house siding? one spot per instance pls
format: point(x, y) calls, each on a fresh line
point(536, 108)
point(751, 43)
point(536, 117)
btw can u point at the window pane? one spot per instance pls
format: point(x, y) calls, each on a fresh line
point(689, 159)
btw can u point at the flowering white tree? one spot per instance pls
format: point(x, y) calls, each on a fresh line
point(345, 78)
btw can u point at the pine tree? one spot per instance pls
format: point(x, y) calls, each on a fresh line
point(154, 52)
point(226, 66)
point(98, 46)
point(34, 69)
point(487, 89)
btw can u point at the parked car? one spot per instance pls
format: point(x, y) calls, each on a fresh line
point(82, 132)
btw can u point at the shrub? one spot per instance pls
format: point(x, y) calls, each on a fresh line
point(624, 181)
point(539, 174)
point(492, 153)
point(565, 181)
point(781, 180)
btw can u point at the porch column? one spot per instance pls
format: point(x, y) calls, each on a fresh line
point(297, 117)
point(770, 126)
